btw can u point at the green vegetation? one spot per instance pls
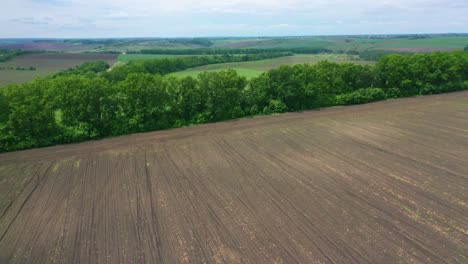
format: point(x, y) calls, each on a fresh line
point(255, 68)
point(375, 55)
point(168, 65)
point(200, 46)
point(31, 66)
point(456, 42)
point(245, 72)
point(6, 55)
point(90, 102)
point(230, 51)
point(361, 96)
point(18, 68)
point(136, 57)
point(62, 54)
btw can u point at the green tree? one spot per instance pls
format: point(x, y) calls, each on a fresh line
point(30, 120)
point(144, 104)
point(86, 106)
point(187, 100)
point(222, 92)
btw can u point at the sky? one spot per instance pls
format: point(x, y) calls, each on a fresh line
point(211, 18)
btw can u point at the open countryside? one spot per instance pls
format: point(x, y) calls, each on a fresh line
point(28, 67)
point(232, 132)
point(382, 182)
point(255, 68)
point(65, 54)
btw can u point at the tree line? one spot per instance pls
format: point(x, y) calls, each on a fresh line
point(217, 51)
point(18, 68)
point(85, 103)
point(168, 65)
point(8, 54)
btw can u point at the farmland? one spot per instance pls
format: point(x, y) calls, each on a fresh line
point(356, 43)
point(336, 43)
point(254, 68)
point(46, 64)
point(72, 52)
point(92, 101)
point(136, 57)
point(375, 183)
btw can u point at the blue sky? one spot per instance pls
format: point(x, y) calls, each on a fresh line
point(191, 18)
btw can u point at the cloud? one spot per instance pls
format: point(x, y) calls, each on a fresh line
point(53, 2)
point(123, 18)
point(32, 20)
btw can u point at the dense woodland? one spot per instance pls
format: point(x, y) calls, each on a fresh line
point(91, 102)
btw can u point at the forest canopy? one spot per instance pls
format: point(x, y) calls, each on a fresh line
point(91, 102)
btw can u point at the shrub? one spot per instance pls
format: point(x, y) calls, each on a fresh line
point(275, 106)
point(445, 88)
point(393, 93)
point(361, 96)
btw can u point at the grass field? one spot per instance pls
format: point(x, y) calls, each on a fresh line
point(376, 183)
point(137, 57)
point(279, 43)
point(249, 73)
point(255, 68)
point(46, 64)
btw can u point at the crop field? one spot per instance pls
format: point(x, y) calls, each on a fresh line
point(360, 43)
point(255, 68)
point(138, 57)
point(278, 43)
point(376, 183)
point(246, 72)
point(46, 64)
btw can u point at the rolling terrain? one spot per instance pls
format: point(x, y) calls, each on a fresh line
point(255, 68)
point(46, 64)
point(376, 183)
point(73, 52)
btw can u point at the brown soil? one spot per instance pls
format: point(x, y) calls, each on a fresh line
point(376, 183)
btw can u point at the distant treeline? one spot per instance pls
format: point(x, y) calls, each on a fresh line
point(86, 104)
point(6, 55)
point(220, 51)
point(179, 41)
point(375, 55)
point(18, 68)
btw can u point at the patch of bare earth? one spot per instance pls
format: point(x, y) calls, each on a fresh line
point(376, 183)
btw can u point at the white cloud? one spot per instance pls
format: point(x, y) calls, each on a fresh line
point(25, 18)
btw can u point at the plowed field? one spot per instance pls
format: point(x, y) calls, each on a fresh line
point(377, 183)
